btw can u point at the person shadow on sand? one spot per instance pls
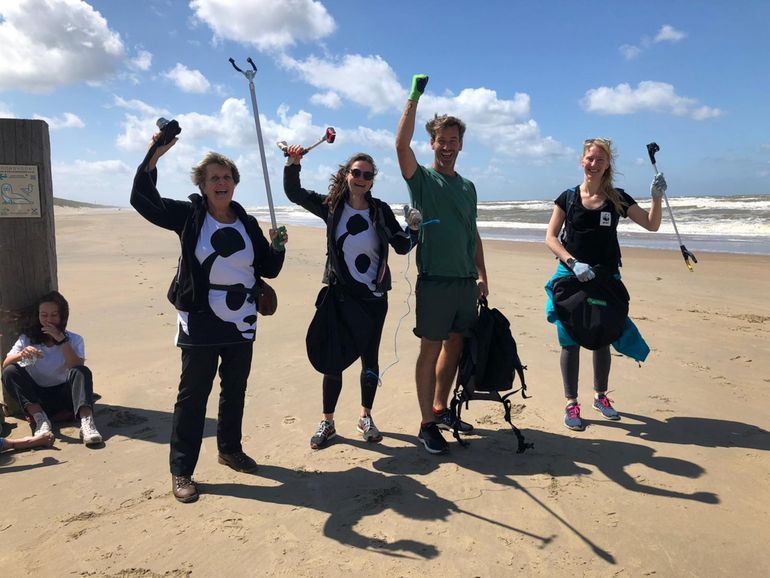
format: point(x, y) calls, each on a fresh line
point(350, 496)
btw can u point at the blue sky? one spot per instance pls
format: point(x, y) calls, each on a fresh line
point(531, 79)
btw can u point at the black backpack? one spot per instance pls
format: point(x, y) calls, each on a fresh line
point(488, 366)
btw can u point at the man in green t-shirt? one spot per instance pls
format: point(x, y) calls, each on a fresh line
point(450, 263)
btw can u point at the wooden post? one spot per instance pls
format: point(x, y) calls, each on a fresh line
point(27, 240)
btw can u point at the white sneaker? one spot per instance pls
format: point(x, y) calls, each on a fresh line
point(42, 423)
point(88, 432)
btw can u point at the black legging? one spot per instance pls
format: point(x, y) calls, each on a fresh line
point(570, 369)
point(370, 363)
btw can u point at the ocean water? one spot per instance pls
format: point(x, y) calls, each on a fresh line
point(728, 224)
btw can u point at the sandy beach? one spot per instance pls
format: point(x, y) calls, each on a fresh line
point(680, 486)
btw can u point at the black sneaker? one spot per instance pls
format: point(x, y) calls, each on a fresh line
point(432, 439)
point(446, 421)
point(322, 436)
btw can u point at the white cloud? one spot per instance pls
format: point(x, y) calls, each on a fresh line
point(67, 120)
point(629, 51)
point(367, 137)
point(188, 80)
point(80, 168)
point(74, 39)
point(232, 127)
point(91, 181)
point(647, 96)
point(139, 106)
point(142, 61)
point(368, 81)
point(267, 24)
point(5, 111)
point(503, 125)
point(668, 33)
point(328, 99)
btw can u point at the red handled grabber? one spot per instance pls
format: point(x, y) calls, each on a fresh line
point(250, 74)
point(328, 136)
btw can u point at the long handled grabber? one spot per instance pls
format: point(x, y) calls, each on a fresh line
point(652, 148)
point(250, 74)
point(328, 136)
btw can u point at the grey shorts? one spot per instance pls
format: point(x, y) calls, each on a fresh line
point(445, 305)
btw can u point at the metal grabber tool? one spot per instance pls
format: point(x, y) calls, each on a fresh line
point(328, 136)
point(652, 148)
point(250, 74)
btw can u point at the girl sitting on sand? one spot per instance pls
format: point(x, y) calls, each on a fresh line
point(45, 370)
point(594, 208)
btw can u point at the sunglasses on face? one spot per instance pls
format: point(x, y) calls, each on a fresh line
point(358, 174)
point(604, 141)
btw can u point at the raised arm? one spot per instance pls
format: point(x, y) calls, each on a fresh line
point(406, 159)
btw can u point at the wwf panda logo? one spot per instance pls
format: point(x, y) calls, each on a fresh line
point(357, 245)
point(229, 254)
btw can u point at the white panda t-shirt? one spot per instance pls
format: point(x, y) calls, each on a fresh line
point(358, 245)
point(226, 254)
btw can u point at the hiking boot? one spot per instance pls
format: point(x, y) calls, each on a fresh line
point(239, 461)
point(446, 420)
point(572, 417)
point(603, 406)
point(368, 430)
point(184, 489)
point(431, 438)
point(325, 433)
point(88, 432)
point(42, 424)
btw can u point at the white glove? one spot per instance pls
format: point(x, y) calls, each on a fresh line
point(413, 217)
point(583, 271)
point(658, 186)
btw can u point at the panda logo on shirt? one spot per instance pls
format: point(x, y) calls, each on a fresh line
point(358, 244)
point(228, 260)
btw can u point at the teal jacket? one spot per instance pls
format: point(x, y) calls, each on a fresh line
point(631, 343)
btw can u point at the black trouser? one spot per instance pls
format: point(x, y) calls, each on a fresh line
point(370, 361)
point(199, 368)
point(76, 392)
point(570, 369)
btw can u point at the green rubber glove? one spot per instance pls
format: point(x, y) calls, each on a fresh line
point(419, 81)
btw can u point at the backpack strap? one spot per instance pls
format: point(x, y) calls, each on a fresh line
point(567, 231)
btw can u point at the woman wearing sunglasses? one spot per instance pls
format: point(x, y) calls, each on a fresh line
point(359, 229)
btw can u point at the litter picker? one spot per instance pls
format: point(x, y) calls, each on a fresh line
point(250, 74)
point(652, 148)
point(328, 136)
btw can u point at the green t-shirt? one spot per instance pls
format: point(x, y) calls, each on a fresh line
point(447, 248)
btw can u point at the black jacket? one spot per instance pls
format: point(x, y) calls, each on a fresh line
point(386, 226)
point(190, 287)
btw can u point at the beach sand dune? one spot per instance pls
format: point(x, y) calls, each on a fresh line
point(678, 487)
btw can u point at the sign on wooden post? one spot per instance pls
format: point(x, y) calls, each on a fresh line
point(27, 240)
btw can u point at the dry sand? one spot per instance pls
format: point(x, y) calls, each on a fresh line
point(679, 487)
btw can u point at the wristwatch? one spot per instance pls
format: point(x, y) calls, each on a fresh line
point(63, 341)
point(571, 262)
